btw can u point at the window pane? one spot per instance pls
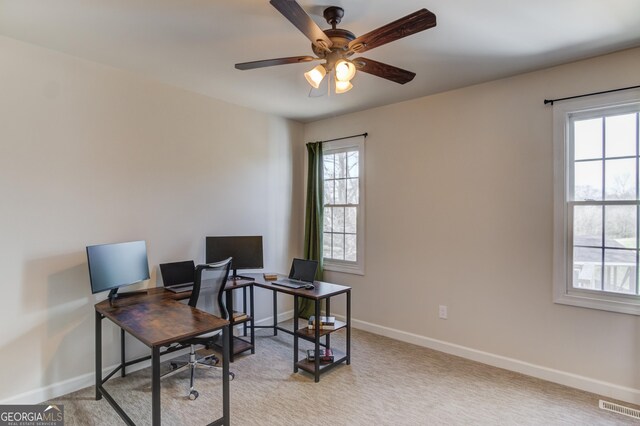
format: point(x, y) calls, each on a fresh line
point(340, 164)
point(352, 164)
point(327, 219)
point(338, 219)
point(588, 139)
point(352, 191)
point(326, 245)
point(587, 226)
point(620, 179)
point(350, 219)
point(338, 246)
point(587, 267)
point(620, 135)
point(350, 247)
point(329, 197)
point(620, 271)
point(327, 161)
point(588, 181)
point(341, 191)
point(620, 226)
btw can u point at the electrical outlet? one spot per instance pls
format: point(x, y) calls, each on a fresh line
point(442, 312)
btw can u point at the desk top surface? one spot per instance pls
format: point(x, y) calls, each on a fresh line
point(157, 319)
point(322, 289)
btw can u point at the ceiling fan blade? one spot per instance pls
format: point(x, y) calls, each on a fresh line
point(291, 10)
point(410, 24)
point(384, 70)
point(271, 62)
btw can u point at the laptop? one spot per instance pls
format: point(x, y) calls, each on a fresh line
point(178, 276)
point(303, 273)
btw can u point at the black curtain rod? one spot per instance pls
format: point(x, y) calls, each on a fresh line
point(551, 101)
point(345, 137)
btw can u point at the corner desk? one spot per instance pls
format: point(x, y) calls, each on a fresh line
point(156, 319)
point(322, 291)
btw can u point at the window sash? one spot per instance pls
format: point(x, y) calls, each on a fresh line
point(565, 115)
point(336, 264)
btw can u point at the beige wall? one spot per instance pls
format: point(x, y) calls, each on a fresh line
point(459, 202)
point(90, 155)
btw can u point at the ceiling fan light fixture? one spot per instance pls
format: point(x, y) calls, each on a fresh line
point(345, 70)
point(315, 76)
point(343, 86)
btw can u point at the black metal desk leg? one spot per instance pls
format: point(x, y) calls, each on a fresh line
point(348, 327)
point(327, 337)
point(295, 335)
point(122, 357)
point(317, 339)
point(275, 313)
point(252, 322)
point(98, 336)
point(226, 343)
point(229, 302)
point(155, 386)
point(244, 309)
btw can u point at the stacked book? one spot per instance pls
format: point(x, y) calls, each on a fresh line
point(326, 355)
point(326, 323)
point(239, 316)
point(269, 276)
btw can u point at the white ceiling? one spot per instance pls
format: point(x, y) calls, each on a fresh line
point(194, 44)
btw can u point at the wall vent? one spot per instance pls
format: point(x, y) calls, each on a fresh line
point(620, 409)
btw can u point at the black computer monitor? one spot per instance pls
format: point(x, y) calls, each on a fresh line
point(246, 252)
point(112, 266)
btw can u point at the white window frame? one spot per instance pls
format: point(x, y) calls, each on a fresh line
point(563, 290)
point(335, 265)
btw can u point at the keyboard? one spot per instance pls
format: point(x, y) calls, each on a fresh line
point(180, 288)
point(287, 282)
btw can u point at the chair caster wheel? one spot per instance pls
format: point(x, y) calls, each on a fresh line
point(232, 375)
point(193, 395)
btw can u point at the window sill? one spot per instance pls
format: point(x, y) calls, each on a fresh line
point(347, 268)
point(603, 303)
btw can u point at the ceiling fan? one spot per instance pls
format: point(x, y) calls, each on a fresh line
point(336, 46)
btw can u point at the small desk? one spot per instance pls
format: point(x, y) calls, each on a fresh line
point(323, 291)
point(157, 320)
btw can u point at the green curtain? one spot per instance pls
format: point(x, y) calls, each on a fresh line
point(313, 218)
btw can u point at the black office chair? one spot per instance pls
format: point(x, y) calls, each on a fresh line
point(208, 299)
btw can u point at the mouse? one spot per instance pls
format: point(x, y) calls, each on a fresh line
point(309, 286)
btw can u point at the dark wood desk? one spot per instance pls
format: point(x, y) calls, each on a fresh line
point(322, 291)
point(157, 319)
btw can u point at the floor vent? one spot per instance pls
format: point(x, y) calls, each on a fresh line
point(620, 409)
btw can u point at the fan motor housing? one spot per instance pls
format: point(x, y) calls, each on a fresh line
point(340, 39)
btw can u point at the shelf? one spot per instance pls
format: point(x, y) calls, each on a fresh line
point(310, 366)
point(238, 345)
point(310, 334)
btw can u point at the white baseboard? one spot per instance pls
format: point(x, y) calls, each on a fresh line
point(607, 389)
point(73, 384)
point(599, 387)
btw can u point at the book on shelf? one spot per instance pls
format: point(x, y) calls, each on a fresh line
point(326, 323)
point(270, 276)
point(239, 316)
point(326, 355)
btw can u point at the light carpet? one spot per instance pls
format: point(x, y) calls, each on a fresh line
point(388, 383)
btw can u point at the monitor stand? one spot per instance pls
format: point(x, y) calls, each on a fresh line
point(236, 277)
point(113, 294)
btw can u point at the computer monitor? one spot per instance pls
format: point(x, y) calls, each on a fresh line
point(246, 252)
point(112, 266)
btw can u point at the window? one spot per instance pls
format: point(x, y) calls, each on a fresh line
point(597, 202)
point(343, 238)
